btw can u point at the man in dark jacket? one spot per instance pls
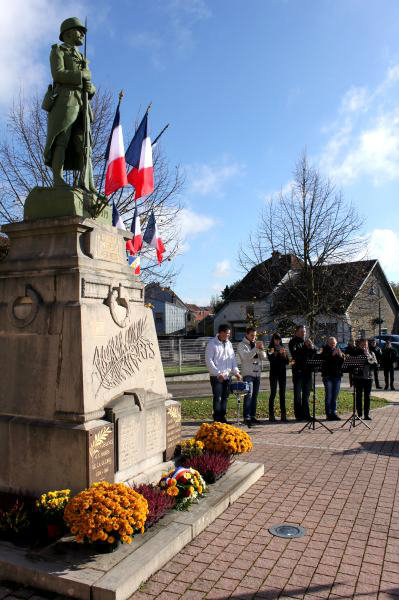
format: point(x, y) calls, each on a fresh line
point(363, 379)
point(301, 350)
point(378, 354)
point(388, 359)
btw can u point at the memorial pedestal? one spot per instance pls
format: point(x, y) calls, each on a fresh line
point(75, 339)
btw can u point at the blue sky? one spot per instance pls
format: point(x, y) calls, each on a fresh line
point(246, 87)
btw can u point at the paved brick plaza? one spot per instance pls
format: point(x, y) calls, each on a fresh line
point(342, 488)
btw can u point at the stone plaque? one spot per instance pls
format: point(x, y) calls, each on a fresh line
point(130, 448)
point(173, 427)
point(100, 454)
point(154, 438)
point(106, 246)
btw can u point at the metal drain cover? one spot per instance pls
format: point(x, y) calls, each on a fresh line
point(287, 531)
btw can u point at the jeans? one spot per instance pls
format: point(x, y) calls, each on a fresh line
point(251, 398)
point(388, 371)
point(280, 379)
point(331, 389)
point(302, 385)
point(362, 391)
point(220, 391)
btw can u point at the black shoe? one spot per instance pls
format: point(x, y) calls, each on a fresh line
point(393, 389)
point(330, 418)
point(379, 387)
point(272, 419)
point(284, 419)
point(360, 415)
point(335, 417)
point(223, 420)
point(367, 418)
point(248, 423)
point(386, 387)
point(255, 421)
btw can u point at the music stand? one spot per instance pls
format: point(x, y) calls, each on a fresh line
point(239, 389)
point(315, 365)
point(351, 365)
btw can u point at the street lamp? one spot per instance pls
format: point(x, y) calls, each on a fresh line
point(377, 292)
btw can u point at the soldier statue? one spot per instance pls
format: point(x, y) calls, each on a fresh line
point(68, 144)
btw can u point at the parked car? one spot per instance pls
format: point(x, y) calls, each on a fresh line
point(389, 337)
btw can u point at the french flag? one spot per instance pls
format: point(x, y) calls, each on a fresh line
point(134, 262)
point(135, 228)
point(115, 177)
point(139, 157)
point(151, 237)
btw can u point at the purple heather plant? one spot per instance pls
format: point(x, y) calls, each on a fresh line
point(211, 465)
point(158, 502)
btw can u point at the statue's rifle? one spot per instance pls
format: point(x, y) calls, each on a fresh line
point(86, 165)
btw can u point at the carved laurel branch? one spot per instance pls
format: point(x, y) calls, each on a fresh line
point(122, 355)
point(99, 439)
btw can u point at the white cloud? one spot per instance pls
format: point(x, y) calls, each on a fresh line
point(383, 244)
point(26, 29)
point(207, 179)
point(364, 141)
point(222, 269)
point(184, 15)
point(191, 224)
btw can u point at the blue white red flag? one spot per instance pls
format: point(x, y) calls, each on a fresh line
point(151, 237)
point(134, 262)
point(115, 177)
point(139, 157)
point(135, 228)
point(116, 218)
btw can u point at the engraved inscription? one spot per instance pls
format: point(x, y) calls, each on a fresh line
point(134, 294)
point(108, 247)
point(93, 289)
point(129, 441)
point(122, 356)
point(173, 429)
point(154, 431)
point(101, 454)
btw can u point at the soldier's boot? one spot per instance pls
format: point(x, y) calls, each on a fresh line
point(57, 166)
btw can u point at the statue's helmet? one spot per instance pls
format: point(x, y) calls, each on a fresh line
point(71, 23)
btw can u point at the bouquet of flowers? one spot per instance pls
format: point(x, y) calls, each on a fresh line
point(106, 512)
point(51, 508)
point(223, 438)
point(186, 484)
point(191, 447)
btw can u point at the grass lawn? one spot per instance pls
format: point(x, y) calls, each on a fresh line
point(201, 408)
point(184, 370)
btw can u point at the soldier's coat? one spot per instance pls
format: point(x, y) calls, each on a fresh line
point(66, 70)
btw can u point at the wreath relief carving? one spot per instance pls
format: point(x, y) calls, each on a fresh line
point(122, 356)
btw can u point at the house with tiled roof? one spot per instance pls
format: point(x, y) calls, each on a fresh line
point(359, 300)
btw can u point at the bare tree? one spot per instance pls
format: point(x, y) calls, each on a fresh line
point(307, 230)
point(22, 168)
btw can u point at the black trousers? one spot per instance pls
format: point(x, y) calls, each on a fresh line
point(280, 378)
point(388, 373)
point(375, 369)
point(302, 383)
point(362, 395)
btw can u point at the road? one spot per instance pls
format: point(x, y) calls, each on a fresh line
point(203, 388)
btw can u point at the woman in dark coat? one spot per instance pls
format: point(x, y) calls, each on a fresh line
point(331, 372)
point(278, 359)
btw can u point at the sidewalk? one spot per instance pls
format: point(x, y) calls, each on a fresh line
point(342, 488)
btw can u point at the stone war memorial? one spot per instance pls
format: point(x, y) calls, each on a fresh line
point(83, 398)
point(82, 392)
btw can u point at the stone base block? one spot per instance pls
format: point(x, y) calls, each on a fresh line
point(74, 570)
point(42, 203)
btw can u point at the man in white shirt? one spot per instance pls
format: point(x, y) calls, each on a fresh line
point(221, 362)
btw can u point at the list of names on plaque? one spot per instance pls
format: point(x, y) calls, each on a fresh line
point(129, 441)
point(154, 431)
point(100, 442)
point(173, 428)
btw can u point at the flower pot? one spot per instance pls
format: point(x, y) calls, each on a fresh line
point(54, 531)
point(105, 547)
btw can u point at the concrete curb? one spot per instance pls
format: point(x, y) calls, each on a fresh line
point(71, 569)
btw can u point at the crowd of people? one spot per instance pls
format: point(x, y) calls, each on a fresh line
point(222, 365)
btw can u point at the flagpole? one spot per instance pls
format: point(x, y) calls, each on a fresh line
point(159, 135)
point(121, 94)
